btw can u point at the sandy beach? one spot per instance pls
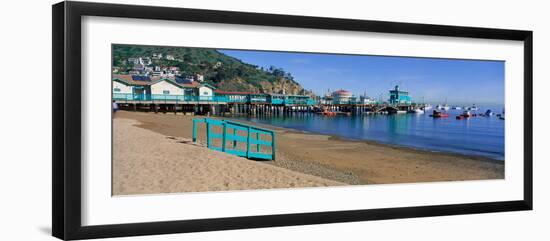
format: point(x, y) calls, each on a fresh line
point(147, 160)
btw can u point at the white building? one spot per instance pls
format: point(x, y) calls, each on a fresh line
point(121, 87)
point(367, 100)
point(341, 95)
point(145, 60)
point(133, 60)
point(200, 77)
point(126, 88)
point(206, 90)
point(166, 87)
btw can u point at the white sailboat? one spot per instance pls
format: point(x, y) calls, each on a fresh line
point(445, 107)
point(473, 107)
point(442, 107)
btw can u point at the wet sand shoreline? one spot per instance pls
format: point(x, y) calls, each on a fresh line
point(346, 160)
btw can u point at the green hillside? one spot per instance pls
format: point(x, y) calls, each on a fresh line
point(223, 71)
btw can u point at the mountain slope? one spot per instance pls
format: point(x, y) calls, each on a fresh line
point(221, 70)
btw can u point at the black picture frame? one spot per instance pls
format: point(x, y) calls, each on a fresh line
point(66, 158)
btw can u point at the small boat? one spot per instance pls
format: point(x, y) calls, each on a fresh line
point(439, 114)
point(464, 115)
point(488, 113)
point(473, 107)
point(394, 111)
point(328, 113)
point(457, 108)
point(442, 107)
point(427, 107)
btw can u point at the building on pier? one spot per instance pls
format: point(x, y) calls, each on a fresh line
point(342, 96)
point(167, 87)
point(366, 100)
point(233, 96)
point(277, 99)
point(187, 91)
point(134, 87)
point(398, 96)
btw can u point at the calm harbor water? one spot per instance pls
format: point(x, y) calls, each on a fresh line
point(482, 136)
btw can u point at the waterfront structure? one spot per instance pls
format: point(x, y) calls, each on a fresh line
point(398, 96)
point(365, 100)
point(233, 96)
point(122, 87)
point(187, 95)
point(133, 87)
point(341, 96)
point(205, 91)
point(167, 88)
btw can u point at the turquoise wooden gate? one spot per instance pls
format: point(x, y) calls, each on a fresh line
point(230, 138)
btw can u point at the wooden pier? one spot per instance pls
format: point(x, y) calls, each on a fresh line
point(260, 104)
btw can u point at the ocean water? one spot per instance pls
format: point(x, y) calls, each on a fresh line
point(482, 136)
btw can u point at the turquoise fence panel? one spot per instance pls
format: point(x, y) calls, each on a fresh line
point(229, 134)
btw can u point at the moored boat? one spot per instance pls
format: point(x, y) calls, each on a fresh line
point(442, 107)
point(464, 115)
point(439, 114)
point(473, 108)
point(418, 111)
point(396, 111)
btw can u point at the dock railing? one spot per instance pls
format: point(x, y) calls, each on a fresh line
point(230, 138)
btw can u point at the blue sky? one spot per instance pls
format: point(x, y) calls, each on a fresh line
point(460, 81)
